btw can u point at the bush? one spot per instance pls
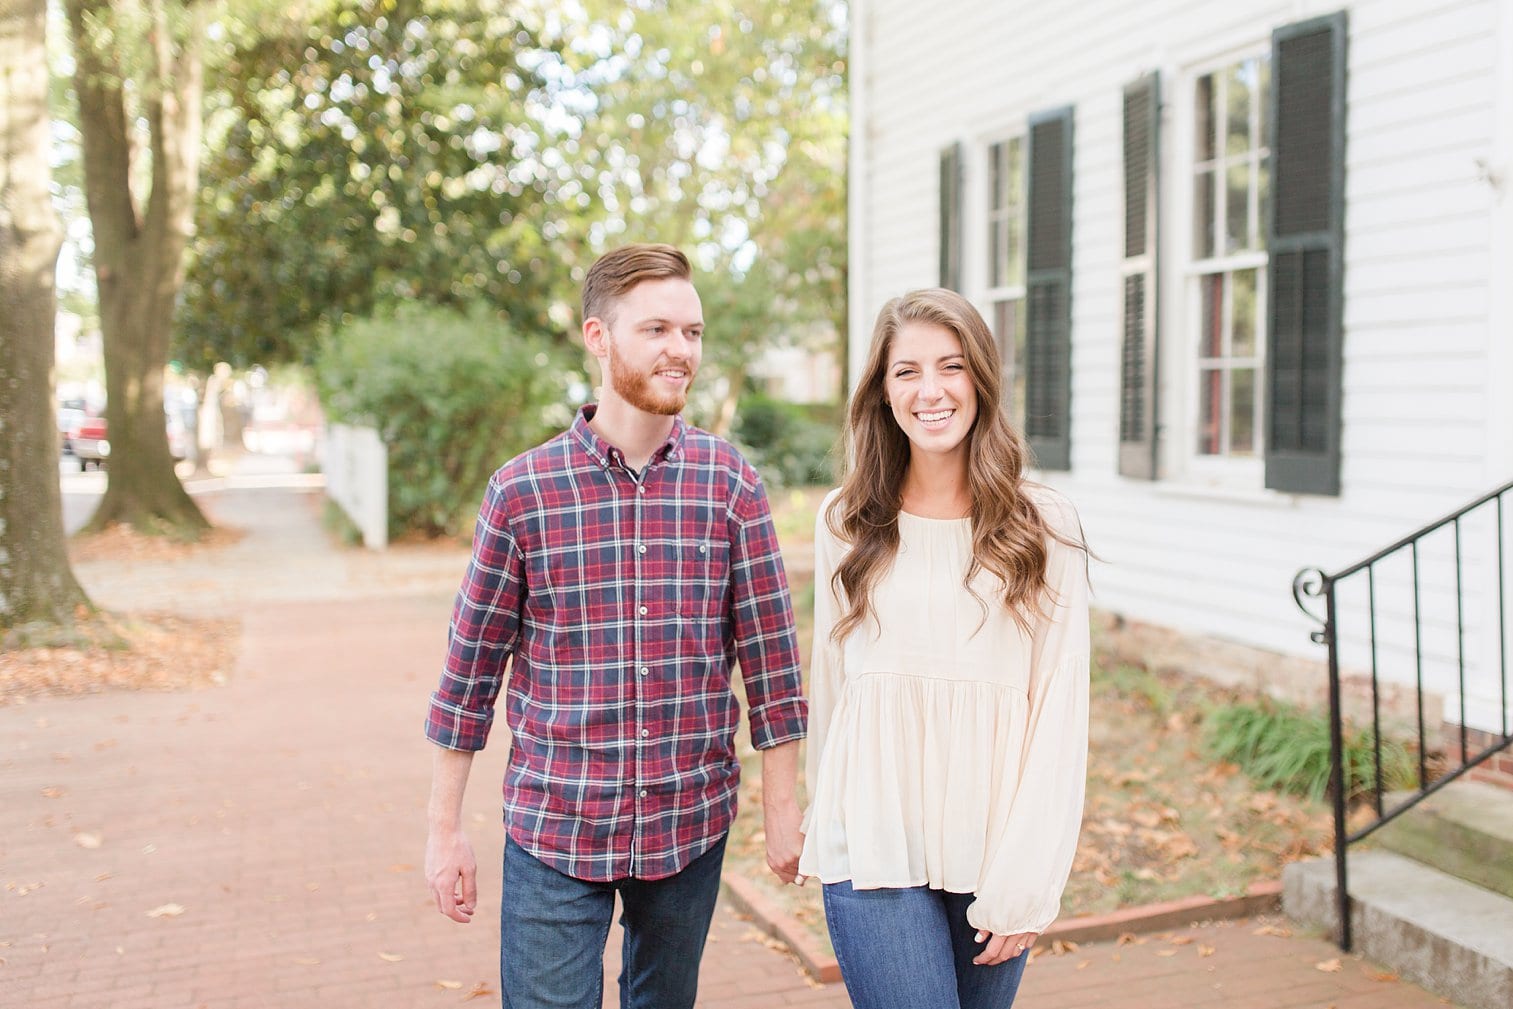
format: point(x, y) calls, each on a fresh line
point(453, 395)
point(790, 444)
point(1288, 749)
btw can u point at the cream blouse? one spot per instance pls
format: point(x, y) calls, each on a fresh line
point(947, 747)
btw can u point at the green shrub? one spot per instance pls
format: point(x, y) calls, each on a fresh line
point(1288, 749)
point(453, 395)
point(790, 444)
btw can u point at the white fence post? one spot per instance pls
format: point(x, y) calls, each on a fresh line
point(356, 464)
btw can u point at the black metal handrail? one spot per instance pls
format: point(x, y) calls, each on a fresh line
point(1314, 583)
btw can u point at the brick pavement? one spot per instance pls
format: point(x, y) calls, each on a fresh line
point(258, 844)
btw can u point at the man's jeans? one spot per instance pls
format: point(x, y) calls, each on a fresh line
point(911, 948)
point(553, 929)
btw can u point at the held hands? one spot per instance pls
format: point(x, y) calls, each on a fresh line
point(452, 874)
point(784, 842)
point(1003, 947)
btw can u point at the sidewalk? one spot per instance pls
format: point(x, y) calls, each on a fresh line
point(259, 844)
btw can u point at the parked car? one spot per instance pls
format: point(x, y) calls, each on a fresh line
point(68, 418)
point(88, 442)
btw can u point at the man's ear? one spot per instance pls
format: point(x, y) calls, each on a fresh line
point(596, 336)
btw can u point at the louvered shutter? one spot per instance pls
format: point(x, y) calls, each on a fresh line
point(1048, 290)
point(1139, 351)
point(950, 217)
point(1305, 240)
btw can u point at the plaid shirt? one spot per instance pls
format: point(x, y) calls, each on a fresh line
point(624, 602)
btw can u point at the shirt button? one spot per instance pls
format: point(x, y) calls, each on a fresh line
point(645, 733)
point(643, 611)
point(640, 490)
point(643, 793)
point(642, 548)
point(644, 670)
point(703, 549)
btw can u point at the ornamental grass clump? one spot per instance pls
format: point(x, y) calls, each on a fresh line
point(1287, 749)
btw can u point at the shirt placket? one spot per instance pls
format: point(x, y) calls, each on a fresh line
point(638, 700)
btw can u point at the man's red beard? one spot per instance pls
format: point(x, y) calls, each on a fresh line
point(639, 391)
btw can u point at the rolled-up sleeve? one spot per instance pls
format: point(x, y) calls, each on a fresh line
point(484, 629)
point(762, 617)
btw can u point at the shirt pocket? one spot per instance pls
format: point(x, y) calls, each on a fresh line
point(704, 575)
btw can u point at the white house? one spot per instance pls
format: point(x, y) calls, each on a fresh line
point(1251, 265)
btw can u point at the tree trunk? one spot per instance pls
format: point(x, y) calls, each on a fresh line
point(139, 257)
point(36, 583)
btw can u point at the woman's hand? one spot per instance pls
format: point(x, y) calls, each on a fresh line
point(1000, 948)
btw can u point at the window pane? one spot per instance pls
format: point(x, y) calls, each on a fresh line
point(1239, 86)
point(1237, 206)
point(1203, 122)
point(1014, 249)
point(995, 176)
point(1211, 289)
point(1263, 88)
point(1211, 411)
point(1010, 334)
point(1203, 215)
point(1242, 340)
point(1263, 200)
point(1242, 413)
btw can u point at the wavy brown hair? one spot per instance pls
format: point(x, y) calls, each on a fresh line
point(1008, 531)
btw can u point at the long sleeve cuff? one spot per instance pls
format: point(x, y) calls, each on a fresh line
point(778, 722)
point(456, 728)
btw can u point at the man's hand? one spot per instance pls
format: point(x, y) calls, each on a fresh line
point(1003, 947)
point(780, 810)
point(452, 874)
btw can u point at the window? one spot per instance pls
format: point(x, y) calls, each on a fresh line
point(1006, 256)
point(1231, 176)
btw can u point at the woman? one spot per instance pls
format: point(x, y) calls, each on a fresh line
point(948, 693)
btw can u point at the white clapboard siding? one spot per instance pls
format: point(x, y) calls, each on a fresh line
point(1206, 553)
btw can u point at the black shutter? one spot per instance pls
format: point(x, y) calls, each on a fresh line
point(950, 217)
point(1140, 352)
point(1305, 238)
point(1048, 291)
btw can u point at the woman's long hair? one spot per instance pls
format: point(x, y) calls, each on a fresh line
point(1008, 531)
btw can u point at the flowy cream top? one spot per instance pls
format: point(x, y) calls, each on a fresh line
point(947, 747)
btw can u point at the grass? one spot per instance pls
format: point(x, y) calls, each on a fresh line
point(1165, 817)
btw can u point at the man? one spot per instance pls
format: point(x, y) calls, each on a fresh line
point(620, 568)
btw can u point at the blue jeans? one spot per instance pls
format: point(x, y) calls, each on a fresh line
point(911, 948)
point(552, 931)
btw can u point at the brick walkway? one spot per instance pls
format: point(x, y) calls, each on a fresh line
point(259, 844)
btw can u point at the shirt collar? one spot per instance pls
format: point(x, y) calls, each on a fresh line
point(604, 453)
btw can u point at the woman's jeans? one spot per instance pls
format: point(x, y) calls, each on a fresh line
point(911, 948)
point(553, 929)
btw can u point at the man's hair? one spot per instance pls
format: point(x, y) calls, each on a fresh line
point(614, 274)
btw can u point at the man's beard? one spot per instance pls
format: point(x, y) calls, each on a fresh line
point(637, 388)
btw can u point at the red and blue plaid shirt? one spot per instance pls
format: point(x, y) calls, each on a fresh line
point(623, 602)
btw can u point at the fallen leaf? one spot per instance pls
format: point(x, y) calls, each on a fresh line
point(1166, 952)
point(1083, 964)
point(166, 911)
point(479, 990)
point(1276, 930)
point(306, 961)
point(391, 957)
point(1381, 975)
point(401, 867)
point(1205, 950)
point(449, 985)
point(90, 841)
point(102, 877)
point(1181, 940)
point(53, 792)
point(1126, 938)
point(1329, 966)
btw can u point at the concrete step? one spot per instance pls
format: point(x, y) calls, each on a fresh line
point(1465, 829)
point(1449, 936)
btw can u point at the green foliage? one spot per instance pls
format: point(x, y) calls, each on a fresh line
point(375, 154)
point(789, 444)
point(453, 396)
point(1287, 749)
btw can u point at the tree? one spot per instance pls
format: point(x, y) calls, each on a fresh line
point(138, 76)
point(377, 153)
point(36, 583)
